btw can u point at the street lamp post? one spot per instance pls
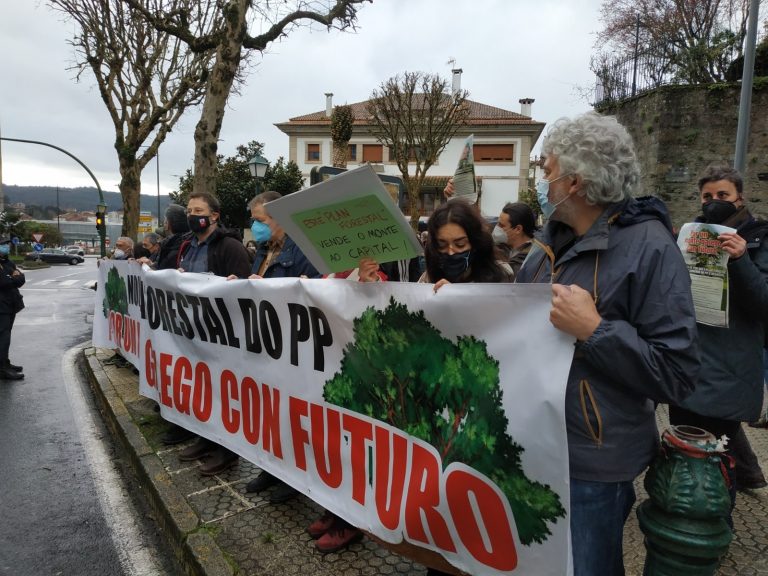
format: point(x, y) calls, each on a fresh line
point(258, 166)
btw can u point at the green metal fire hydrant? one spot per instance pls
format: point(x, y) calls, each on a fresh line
point(685, 520)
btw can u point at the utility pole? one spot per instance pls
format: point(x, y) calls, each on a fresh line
point(745, 103)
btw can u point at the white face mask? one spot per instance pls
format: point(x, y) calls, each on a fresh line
point(118, 254)
point(499, 236)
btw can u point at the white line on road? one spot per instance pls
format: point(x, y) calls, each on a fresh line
point(68, 282)
point(133, 552)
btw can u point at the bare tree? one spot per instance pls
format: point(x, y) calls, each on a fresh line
point(416, 116)
point(342, 120)
point(694, 41)
point(231, 41)
point(146, 79)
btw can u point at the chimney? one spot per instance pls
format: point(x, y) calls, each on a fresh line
point(456, 87)
point(328, 104)
point(525, 106)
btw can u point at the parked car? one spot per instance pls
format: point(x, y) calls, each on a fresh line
point(55, 256)
point(74, 250)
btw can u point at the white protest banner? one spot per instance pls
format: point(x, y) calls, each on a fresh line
point(117, 309)
point(434, 420)
point(707, 264)
point(341, 220)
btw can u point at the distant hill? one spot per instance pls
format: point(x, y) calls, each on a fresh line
point(83, 198)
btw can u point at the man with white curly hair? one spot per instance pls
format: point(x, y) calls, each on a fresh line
point(621, 289)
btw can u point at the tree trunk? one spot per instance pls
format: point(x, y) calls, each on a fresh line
point(340, 154)
point(227, 62)
point(130, 190)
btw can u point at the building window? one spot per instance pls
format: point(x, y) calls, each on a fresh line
point(494, 152)
point(373, 153)
point(412, 153)
point(352, 153)
point(313, 152)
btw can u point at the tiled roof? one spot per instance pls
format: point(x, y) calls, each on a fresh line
point(479, 114)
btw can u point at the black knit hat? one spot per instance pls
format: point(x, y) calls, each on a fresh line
point(177, 218)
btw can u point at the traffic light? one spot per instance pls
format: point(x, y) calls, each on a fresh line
point(101, 220)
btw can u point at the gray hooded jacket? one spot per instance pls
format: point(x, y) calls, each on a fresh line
point(645, 349)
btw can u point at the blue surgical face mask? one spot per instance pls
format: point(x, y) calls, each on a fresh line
point(542, 194)
point(261, 231)
point(5, 249)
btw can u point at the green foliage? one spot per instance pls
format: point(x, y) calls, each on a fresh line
point(235, 186)
point(51, 234)
point(402, 371)
point(284, 177)
point(341, 123)
point(116, 294)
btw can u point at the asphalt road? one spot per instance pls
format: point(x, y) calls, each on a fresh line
point(65, 495)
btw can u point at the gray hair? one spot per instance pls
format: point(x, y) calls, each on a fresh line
point(153, 238)
point(126, 239)
point(263, 198)
point(598, 149)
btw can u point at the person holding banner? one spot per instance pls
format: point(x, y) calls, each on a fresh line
point(621, 288)
point(210, 249)
point(730, 389)
point(11, 302)
point(459, 247)
point(276, 257)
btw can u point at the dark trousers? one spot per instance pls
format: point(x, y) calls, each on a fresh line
point(6, 325)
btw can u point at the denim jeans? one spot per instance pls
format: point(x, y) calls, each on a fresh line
point(598, 513)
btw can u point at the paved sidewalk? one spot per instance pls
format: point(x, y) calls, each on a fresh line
point(216, 529)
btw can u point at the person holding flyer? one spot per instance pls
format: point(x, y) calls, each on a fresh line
point(730, 388)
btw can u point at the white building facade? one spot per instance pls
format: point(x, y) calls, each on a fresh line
point(502, 147)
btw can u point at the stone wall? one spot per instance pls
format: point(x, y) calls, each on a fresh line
point(679, 130)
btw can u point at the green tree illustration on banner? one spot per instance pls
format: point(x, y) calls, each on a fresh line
point(115, 294)
point(400, 370)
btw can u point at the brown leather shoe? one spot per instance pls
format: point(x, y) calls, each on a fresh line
point(218, 461)
point(197, 450)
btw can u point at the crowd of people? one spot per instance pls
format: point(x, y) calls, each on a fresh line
point(620, 287)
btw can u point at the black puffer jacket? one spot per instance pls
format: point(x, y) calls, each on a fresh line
point(11, 300)
point(169, 252)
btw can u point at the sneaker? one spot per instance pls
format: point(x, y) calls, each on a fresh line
point(761, 423)
point(338, 539)
point(261, 482)
point(282, 493)
point(176, 435)
point(218, 461)
point(201, 448)
point(321, 525)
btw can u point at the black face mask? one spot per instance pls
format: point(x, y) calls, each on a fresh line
point(199, 224)
point(717, 211)
point(454, 265)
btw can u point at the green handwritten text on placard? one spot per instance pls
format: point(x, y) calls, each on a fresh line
point(347, 231)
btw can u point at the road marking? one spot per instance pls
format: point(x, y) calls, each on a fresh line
point(135, 556)
point(68, 282)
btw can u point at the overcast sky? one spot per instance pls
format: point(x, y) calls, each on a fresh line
point(508, 49)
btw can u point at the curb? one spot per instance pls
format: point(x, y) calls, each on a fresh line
point(194, 548)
